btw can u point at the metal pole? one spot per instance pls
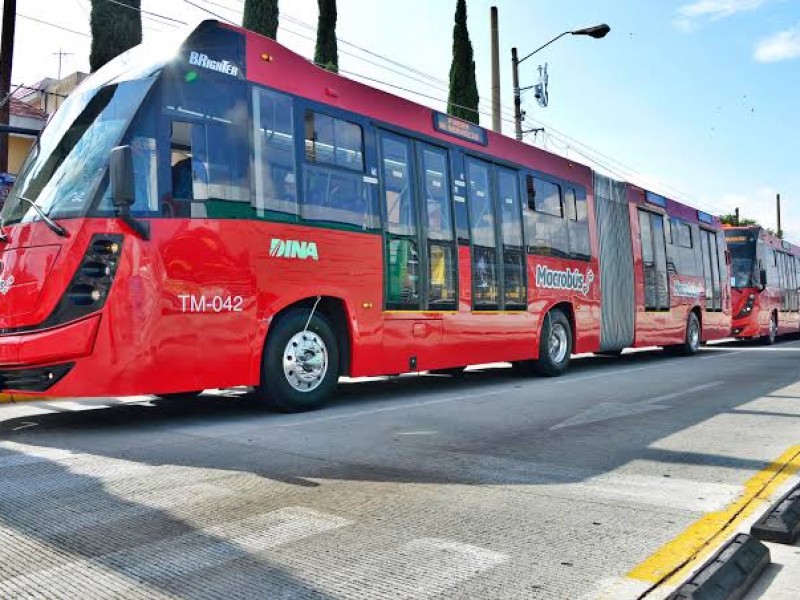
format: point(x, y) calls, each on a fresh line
point(496, 125)
point(517, 99)
point(778, 204)
point(736, 218)
point(6, 60)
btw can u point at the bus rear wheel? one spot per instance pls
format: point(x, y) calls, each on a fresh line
point(555, 345)
point(300, 367)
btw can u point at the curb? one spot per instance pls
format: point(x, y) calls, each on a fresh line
point(729, 573)
point(781, 523)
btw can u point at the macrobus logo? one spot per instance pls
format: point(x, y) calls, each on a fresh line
point(568, 279)
point(293, 249)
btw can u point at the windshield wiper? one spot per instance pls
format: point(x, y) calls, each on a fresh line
point(50, 223)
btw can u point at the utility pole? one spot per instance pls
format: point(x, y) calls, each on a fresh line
point(517, 98)
point(778, 205)
point(736, 217)
point(6, 60)
point(496, 125)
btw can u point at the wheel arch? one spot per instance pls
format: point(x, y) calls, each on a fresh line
point(335, 309)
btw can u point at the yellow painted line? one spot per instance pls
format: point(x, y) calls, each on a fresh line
point(675, 559)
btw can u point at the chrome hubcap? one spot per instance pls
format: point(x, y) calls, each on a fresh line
point(305, 361)
point(694, 335)
point(558, 343)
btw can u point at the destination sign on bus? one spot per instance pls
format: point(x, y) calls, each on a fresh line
point(460, 129)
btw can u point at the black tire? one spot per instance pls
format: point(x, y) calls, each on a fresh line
point(452, 371)
point(772, 335)
point(524, 368)
point(180, 395)
point(289, 342)
point(609, 353)
point(555, 345)
point(692, 337)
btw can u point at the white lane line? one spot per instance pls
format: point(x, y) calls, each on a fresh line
point(423, 568)
point(605, 411)
point(614, 588)
point(155, 564)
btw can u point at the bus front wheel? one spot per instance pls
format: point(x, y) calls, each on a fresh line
point(301, 364)
point(555, 345)
point(772, 334)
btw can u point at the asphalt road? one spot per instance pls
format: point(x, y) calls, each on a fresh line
point(606, 483)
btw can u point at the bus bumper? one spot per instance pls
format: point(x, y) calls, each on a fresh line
point(33, 363)
point(745, 328)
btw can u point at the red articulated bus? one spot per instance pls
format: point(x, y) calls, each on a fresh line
point(764, 278)
point(233, 215)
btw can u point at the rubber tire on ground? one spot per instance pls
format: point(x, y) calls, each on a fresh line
point(545, 365)
point(609, 353)
point(770, 338)
point(180, 395)
point(452, 371)
point(689, 348)
point(274, 389)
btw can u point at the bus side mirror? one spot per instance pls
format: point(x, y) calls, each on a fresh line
point(123, 193)
point(763, 278)
point(123, 188)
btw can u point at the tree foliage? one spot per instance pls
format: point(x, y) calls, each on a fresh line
point(731, 220)
point(114, 29)
point(261, 16)
point(463, 99)
point(326, 54)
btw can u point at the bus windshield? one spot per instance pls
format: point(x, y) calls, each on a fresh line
point(68, 162)
point(743, 263)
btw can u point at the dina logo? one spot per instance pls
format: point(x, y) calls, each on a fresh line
point(225, 67)
point(5, 285)
point(279, 248)
point(569, 279)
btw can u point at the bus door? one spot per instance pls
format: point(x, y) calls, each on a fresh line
point(420, 260)
point(715, 321)
point(655, 325)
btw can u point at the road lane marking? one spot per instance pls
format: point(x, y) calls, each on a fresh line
point(605, 411)
point(676, 558)
point(422, 568)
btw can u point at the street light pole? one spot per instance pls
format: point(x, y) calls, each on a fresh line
point(596, 32)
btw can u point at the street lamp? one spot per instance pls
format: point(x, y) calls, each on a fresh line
point(596, 32)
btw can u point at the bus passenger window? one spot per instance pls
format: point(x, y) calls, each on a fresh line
point(189, 173)
point(274, 169)
point(545, 229)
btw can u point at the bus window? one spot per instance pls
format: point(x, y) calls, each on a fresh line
point(484, 255)
point(333, 180)
point(545, 229)
point(402, 252)
point(275, 189)
point(439, 222)
point(188, 169)
point(578, 226)
point(514, 290)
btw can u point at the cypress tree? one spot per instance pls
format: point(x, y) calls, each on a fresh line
point(114, 30)
point(326, 54)
point(462, 101)
point(261, 16)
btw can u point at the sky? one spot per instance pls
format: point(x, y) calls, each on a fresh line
point(695, 99)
